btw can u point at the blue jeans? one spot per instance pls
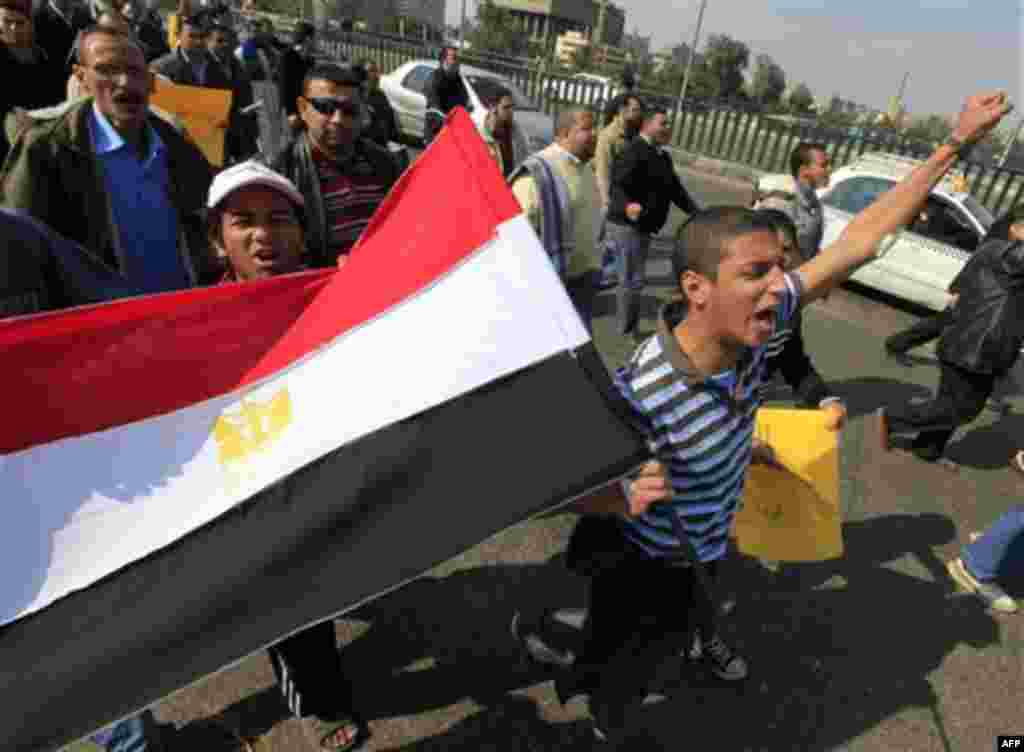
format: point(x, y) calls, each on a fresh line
point(999, 553)
point(133, 734)
point(630, 248)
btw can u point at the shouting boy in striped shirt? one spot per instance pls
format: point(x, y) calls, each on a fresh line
point(694, 389)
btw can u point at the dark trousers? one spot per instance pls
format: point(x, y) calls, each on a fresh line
point(582, 291)
point(309, 671)
point(796, 368)
point(923, 331)
point(641, 611)
point(960, 398)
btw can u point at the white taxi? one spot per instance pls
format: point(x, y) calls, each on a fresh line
point(918, 263)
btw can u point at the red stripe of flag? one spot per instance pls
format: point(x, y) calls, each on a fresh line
point(77, 372)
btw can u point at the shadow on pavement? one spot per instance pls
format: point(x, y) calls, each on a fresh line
point(834, 648)
point(988, 447)
point(864, 395)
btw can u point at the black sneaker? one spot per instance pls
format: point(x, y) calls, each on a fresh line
point(535, 648)
point(724, 663)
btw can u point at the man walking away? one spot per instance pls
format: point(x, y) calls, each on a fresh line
point(644, 184)
point(977, 349)
point(557, 191)
point(611, 143)
point(445, 91)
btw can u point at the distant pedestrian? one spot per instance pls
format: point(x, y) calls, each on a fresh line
point(445, 91)
point(383, 128)
point(644, 185)
point(558, 193)
point(496, 123)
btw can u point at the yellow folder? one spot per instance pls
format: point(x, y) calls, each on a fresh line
point(203, 111)
point(793, 515)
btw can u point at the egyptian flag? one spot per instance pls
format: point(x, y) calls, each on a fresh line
point(188, 478)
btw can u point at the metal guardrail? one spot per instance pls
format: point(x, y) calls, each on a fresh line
point(728, 133)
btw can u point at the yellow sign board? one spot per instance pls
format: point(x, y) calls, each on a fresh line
point(204, 112)
point(793, 514)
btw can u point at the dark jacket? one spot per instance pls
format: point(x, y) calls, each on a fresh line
point(446, 92)
point(27, 86)
point(174, 66)
point(987, 330)
point(244, 129)
point(49, 272)
point(52, 174)
point(56, 34)
point(295, 162)
point(644, 176)
point(383, 125)
point(293, 69)
point(151, 35)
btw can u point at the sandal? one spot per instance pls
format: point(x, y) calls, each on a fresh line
point(323, 733)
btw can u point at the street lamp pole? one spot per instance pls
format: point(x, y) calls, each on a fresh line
point(689, 62)
point(462, 26)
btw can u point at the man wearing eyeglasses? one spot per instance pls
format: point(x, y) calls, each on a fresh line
point(109, 174)
point(342, 175)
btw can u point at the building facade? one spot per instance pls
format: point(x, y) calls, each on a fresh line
point(546, 20)
point(377, 14)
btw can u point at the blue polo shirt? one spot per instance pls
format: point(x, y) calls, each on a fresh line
point(147, 224)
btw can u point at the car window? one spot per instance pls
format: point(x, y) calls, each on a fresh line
point(856, 194)
point(486, 87)
point(416, 79)
point(946, 223)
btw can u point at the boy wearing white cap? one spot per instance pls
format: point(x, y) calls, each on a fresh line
point(255, 225)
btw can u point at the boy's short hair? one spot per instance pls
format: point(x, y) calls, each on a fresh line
point(651, 111)
point(703, 241)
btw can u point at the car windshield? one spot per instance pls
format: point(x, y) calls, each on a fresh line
point(980, 213)
point(486, 87)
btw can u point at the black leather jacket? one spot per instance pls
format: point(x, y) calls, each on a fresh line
point(988, 321)
point(295, 162)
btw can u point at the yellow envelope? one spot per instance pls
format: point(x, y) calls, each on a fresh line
point(793, 515)
point(202, 110)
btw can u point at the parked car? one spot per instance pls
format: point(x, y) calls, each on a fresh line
point(405, 87)
point(918, 263)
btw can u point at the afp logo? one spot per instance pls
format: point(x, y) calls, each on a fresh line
point(1010, 742)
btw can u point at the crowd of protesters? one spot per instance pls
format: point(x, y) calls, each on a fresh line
point(95, 177)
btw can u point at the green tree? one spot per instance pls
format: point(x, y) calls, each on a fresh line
point(801, 100)
point(496, 30)
point(725, 59)
point(769, 81)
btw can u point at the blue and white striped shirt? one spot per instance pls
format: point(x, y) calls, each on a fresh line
point(699, 430)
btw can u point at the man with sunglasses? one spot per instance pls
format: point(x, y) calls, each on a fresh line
point(342, 175)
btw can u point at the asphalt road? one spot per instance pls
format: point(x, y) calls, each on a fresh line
point(871, 653)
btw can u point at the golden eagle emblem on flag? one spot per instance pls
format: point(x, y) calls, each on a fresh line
point(250, 427)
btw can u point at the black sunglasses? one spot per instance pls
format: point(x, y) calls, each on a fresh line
point(327, 106)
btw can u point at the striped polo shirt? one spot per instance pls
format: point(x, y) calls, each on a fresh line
point(351, 194)
point(699, 429)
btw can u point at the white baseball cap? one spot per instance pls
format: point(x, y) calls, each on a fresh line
point(251, 173)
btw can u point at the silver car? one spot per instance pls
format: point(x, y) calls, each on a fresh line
point(406, 85)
